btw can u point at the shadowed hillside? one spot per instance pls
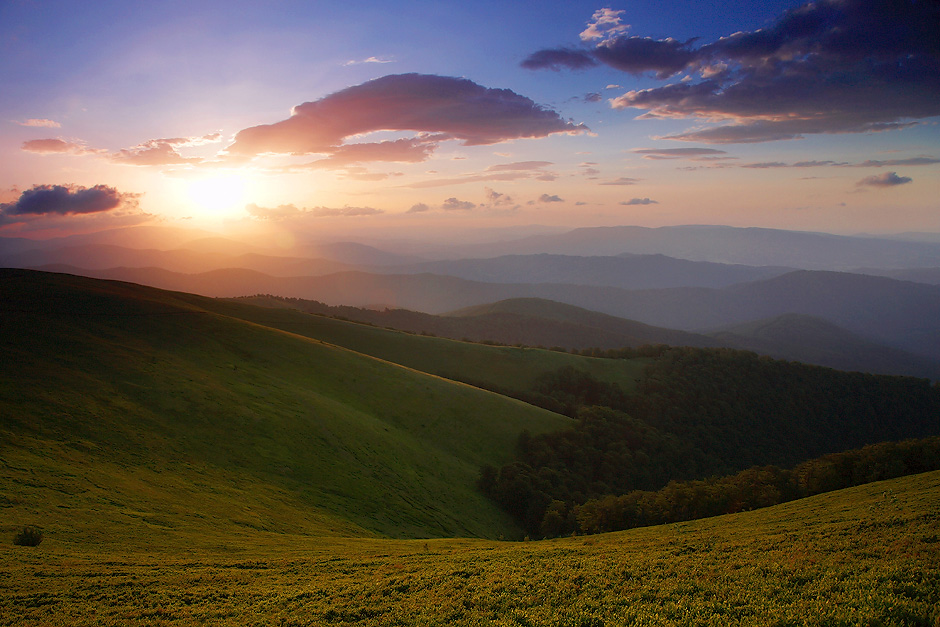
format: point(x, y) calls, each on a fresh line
point(141, 406)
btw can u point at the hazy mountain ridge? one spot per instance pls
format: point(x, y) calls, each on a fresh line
point(625, 271)
point(183, 260)
point(899, 314)
point(732, 245)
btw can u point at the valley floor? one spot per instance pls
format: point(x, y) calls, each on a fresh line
point(864, 556)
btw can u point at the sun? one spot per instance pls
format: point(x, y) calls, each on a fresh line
point(217, 194)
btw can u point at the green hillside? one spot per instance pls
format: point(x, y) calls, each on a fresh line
point(505, 367)
point(863, 556)
point(128, 410)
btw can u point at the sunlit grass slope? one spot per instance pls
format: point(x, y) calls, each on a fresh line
point(128, 410)
point(864, 556)
point(507, 367)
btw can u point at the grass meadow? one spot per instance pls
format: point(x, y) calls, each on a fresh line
point(864, 556)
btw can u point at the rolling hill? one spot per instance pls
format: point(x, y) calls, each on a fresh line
point(143, 410)
point(811, 340)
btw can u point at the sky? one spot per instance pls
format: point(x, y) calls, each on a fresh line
point(318, 120)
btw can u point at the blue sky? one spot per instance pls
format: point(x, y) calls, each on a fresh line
point(181, 113)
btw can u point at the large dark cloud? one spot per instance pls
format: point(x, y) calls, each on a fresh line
point(833, 66)
point(637, 55)
point(67, 199)
point(455, 108)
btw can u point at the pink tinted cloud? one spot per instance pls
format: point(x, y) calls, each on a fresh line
point(57, 146)
point(157, 152)
point(414, 150)
point(291, 212)
point(458, 108)
point(40, 122)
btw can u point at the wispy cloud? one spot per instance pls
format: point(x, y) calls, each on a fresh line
point(623, 180)
point(638, 201)
point(40, 122)
point(59, 146)
point(368, 60)
point(678, 153)
point(291, 212)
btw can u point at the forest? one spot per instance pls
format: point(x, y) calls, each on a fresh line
point(709, 431)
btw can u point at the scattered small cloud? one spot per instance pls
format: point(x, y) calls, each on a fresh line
point(896, 162)
point(888, 179)
point(453, 204)
point(419, 208)
point(58, 146)
point(639, 201)
point(593, 97)
point(40, 123)
point(519, 165)
point(623, 180)
point(604, 24)
point(550, 198)
point(160, 152)
point(368, 60)
point(678, 153)
point(496, 199)
point(292, 212)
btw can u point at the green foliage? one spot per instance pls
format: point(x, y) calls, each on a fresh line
point(28, 536)
point(697, 413)
point(757, 487)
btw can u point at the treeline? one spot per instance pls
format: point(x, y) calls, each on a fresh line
point(697, 413)
point(750, 489)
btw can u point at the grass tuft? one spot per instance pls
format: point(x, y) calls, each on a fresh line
point(28, 536)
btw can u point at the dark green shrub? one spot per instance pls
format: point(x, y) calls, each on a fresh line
point(28, 536)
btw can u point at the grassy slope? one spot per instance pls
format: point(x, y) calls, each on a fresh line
point(126, 410)
point(505, 366)
point(864, 556)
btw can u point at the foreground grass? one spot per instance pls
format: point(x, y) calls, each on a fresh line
point(863, 556)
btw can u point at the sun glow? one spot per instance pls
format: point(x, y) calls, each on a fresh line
point(220, 194)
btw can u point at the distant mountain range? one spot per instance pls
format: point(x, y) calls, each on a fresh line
point(539, 322)
point(900, 314)
point(724, 244)
point(692, 285)
point(626, 271)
